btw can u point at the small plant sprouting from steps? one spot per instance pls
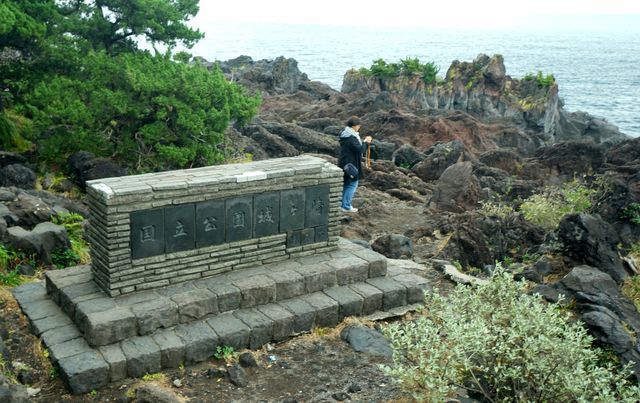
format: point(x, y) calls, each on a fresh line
point(225, 353)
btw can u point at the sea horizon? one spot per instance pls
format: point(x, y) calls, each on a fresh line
point(576, 50)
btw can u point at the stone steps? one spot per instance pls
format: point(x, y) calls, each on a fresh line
point(104, 320)
point(240, 322)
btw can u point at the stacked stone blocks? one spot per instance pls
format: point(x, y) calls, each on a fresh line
point(198, 216)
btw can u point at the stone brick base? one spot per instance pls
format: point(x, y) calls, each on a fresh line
point(95, 339)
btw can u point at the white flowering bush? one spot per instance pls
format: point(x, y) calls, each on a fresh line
point(502, 345)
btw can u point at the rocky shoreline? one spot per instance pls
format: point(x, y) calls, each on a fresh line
point(441, 151)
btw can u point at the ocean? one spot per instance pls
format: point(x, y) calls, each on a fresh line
point(595, 61)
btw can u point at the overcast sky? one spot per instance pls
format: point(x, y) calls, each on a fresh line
point(456, 13)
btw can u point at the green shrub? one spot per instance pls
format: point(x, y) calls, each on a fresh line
point(62, 258)
point(547, 209)
point(407, 67)
point(73, 223)
point(9, 261)
point(543, 81)
point(503, 345)
point(495, 209)
point(632, 213)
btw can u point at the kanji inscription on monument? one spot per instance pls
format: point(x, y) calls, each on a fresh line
point(300, 213)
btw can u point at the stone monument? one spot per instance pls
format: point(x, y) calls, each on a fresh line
point(185, 261)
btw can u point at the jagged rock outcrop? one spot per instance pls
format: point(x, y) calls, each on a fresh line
point(588, 239)
point(438, 158)
point(457, 190)
point(476, 240)
point(482, 88)
point(610, 316)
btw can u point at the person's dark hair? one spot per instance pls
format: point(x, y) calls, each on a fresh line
point(354, 121)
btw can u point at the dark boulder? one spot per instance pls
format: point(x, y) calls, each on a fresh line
point(382, 150)
point(624, 153)
point(238, 376)
point(476, 240)
point(7, 194)
point(42, 240)
point(274, 146)
point(383, 181)
point(503, 159)
point(609, 315)
point(17, 175)
point(572, 157)
point(8, 216)
point(320, 124)
point(84, 167)
point(366, 340)
point(607, 328)
point(12, 393)
point(394, 246)
point(457, 189)
point(589, 240)
point(407, 156)
point(9, 158)
point(302, 139)
point(438, 158)
point(30, 210)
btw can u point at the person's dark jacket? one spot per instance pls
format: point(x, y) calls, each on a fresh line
point(351, 150)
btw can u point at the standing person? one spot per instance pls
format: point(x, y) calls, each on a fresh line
point(351, 149)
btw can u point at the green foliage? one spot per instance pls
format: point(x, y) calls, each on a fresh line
point(547, 209)
point(503, 345)
point(9, 261)
point(158, 376)
point(495, 209)
point(62, 258)
point(11, 138)
point(147, 111)
point(225, 353)
point(53, 373)
point(407, 67)
point(632, 213)
point(74, 72)
point(631, 288)
point(10, 279)
point(114, 25)
point(79, 252)
point(543, 81)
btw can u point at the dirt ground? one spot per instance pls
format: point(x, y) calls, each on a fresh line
point(316, 367)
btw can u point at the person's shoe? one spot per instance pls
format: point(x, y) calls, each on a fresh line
point(351, 210)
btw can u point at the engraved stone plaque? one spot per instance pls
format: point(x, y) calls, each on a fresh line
point(147, 233)
point(292, 210)
point(239, 219)
point(322, 233)
point(210, 223)
point(266, 214)
point(317, 206)
point(294, 238)
point(308, 236)
point(179, 228)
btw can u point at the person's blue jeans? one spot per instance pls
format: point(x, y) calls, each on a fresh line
point(348, 191)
